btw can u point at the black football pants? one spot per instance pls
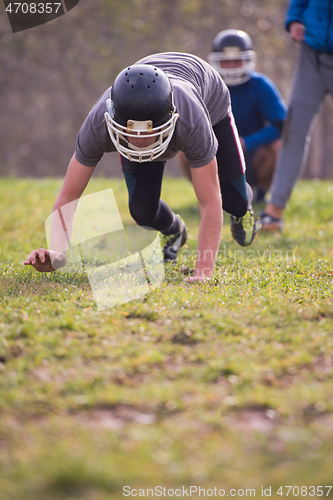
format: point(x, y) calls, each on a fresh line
point(144, 187)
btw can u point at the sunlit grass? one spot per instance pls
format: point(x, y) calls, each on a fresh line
point(226, 384)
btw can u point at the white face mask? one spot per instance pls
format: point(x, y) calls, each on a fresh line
point(234, 76)
point(124, 138)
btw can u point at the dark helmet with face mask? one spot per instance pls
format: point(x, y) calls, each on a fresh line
point(233, 45)
point(141, 105)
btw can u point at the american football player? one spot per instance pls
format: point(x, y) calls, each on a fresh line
point(163, 104)
point(257, 105)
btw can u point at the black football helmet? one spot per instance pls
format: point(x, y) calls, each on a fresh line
point(141, 105)
point(233, 45)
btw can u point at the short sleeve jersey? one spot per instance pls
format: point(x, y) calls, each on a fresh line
point(201, 98)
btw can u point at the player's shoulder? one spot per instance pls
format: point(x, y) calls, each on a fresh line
point(173, 57)
point(95, 117)
point(94, 125)
point(261, 84)
point(185, 96)
point(100, 104)
point(260, 79)
point(180, 64)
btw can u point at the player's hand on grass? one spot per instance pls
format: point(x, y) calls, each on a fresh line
point(198, 277)
point(45, 261)
point(194, 275)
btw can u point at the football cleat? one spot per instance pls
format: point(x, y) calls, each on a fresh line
point(268, 223)
point(172, 243)
point(243, 229)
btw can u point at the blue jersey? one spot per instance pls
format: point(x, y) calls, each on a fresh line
point(317, 17)
point(259, 111)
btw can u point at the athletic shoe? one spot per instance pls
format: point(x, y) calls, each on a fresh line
point(243, 229)
point(266, 222)
point(171, 243)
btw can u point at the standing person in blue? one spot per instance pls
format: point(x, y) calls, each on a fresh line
point(156, 107)
point(257, 106)
point(310, 23)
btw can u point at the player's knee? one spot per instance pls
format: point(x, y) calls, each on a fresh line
point(143, 216)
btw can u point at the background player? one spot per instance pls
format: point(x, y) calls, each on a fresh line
point(257, 106)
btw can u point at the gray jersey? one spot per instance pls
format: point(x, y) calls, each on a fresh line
point(201, 99)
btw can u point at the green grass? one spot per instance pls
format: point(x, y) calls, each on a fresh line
point(227, 384)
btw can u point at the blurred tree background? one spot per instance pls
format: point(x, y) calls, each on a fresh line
point(52, 75)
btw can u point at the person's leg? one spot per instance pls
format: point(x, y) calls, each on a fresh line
point(307, 94)
point(231, 168)
point(236, 192)
point(326, 69)
point(149, 211)
point(236, 196)
point(229, 160)
point(264, 162)
point(250, 174)
point(145, 205)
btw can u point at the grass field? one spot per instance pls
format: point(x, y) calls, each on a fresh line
point(225, 385)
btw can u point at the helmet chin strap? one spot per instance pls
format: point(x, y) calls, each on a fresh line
point(144, 126)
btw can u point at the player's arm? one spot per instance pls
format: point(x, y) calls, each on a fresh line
point(294, 19)
point(75, 182)
point(297, 31)
point(272, 109)
point(207, 189)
